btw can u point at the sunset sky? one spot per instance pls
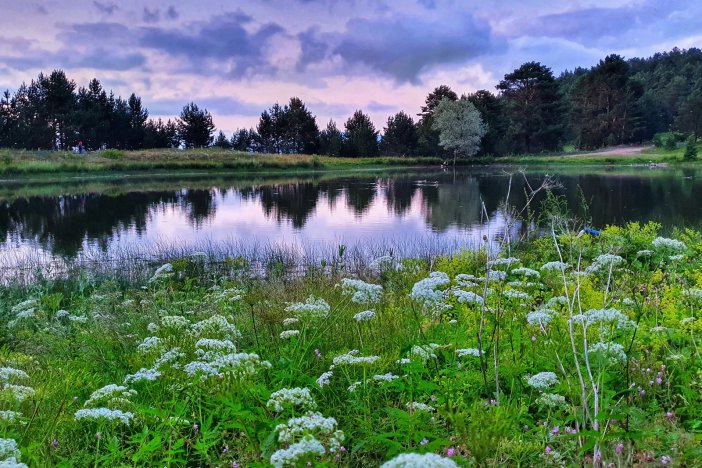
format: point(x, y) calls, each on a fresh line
point(237, 58)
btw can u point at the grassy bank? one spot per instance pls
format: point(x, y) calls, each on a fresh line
point(580, 350)
point(20, 162)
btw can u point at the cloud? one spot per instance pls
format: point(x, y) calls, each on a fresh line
point(401, 47)
point(220, 105)
point(172, 13)
point(106, 8)
point(151, 16)
point(230, 44)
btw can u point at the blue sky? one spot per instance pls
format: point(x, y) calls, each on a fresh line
point(237, 58)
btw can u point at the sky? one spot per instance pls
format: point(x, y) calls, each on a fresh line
point(237, 58)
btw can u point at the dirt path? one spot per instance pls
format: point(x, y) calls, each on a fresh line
point(630, 151)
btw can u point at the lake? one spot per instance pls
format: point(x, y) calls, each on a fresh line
point(405, 212)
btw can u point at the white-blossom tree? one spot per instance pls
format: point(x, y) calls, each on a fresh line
point(460, 127)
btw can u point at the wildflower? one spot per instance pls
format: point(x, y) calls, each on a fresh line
point(468, 352)
point(161, 271)
point(216, 325)
point(496, 276)
point(424, 352)
point(605, 263)
point(612, 316)
point(18, 392)
point(9, 450)
point(142, 374)
point(416, 460)
point(352, 388)
point(662, 243)
point(389, 377)
point(555, 430)
point(551, 400)
point(310, 422)
point(540, 317)
point(361, 292)
point(528, 272)
point(557, 300)
point(554, 266)
point(428, 289)
point(317, 354)
point(613, 352)
point(308, 446)
point(149, 344)
point(424, 441)
point(465, 281)
point(570, 430)
point(293, 397)
point(352, 358)
point(450, 452)
point(669, 415)
point(503, 262)
point(324, 378)
point(290, 321)
point(542, 380)
point(415, 406)
point(286, 334)
point(212, 344)
point(514, 294)
point(313, 307)
point(548, 449)
point(238, 365)
point(177, 322)
point(10, 416)
point(8, 373)
point(533, 339)
point(104, 413)
point(108, 393)
point(468, 297)
point(364, 316)
point(403, 361)
point(665, 460)
point(619, 448)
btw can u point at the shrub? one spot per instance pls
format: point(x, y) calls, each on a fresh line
point(112, 154)
point(690, 149)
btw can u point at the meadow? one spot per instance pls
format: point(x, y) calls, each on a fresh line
point(561, 350)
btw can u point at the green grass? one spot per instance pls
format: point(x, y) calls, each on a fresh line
point(21, 162)
point(81, 334)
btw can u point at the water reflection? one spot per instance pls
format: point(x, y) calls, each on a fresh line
point(323, 209)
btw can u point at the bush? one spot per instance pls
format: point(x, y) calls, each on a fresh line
point(668, 140)
point(690, 149)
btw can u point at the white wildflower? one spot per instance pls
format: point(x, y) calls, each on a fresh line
point(287, 334)
point(528, 272)
point(467, 297)
point(496, 276)
point(389, 377)
point(96, 414)
point(216, 325)
point(10, 373)
point(514, 294)
point(465, 280)
point(177, 322)
point(78, 318)
point(307, 447)
point(10, 416)
point(541, 317)
point(554, 266)
point(644, 253)
point(149, 344)
point(503, 262)
point(557, 300)
point(352, 388)
point(403, 361)
point(415, 406)
point(324, 379)
point(361, 292)
point(212, 344)
point(468, 352)
point(9, 449)
point(18, 392)
point(25, 305)
point(168, 357)
point(353, 358)
point(416, 460)
point(428, 289)
point(239, 365)
point(312, 308)
point(142, 374)
point(663, 243)
point(61, 314)
point(290, 321)
point(551, 400)
point(605, 263)
point(300, 398)
point(364, 316)
point(542, 380)
point(161, 271)
point(109, 392)
point(423, 352)
point(613, 352)
point(311, 422)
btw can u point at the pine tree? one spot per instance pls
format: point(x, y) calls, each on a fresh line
point(195, 126)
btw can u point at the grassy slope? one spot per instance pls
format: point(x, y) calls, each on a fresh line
point(20, 162)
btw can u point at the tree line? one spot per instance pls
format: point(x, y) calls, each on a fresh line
point(615, 102)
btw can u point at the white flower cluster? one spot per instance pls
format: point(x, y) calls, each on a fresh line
point(150, 343)
point(468, 352)
point(212, 344)
point(364, 316)
point(10, 455)
point(161, 272)
point(96, 414)
point(290, 321)
point(554, 266)
point(307, 447)
point(540, 317)
point(10, 373)
point(551, 400)
point(353, 358)
point(352, 388)
point(613, 352)
point(389, 377)
point(216, 325)
point(496, 276)
point(528, 272)
point(324, 379)
point(663, 243)
point(18, 392)
point(10, 416)
point(293, 397)
point(424, 352)
point(24, 310)
point(468, 297)
point(604, 262)
point(607, 316)
point(416, 460)
point(428, 290)
point(238, 365)
point(312, 422)
point(287, 334)
point(175, 322)
point(109, 393)
point(312, 308)
point(497, 262)
point(514, 294)
point(415, 406)
point(384, 263)
point(542, 380)
point(361, 292)
point(557, 300)
point(694, 293)
point(465, 280)
point(142, 374)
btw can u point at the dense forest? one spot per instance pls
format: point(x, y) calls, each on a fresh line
point(615, 102)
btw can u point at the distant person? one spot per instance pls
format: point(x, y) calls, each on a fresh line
point(81, 148)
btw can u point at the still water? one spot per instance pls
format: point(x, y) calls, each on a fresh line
point(65, 219)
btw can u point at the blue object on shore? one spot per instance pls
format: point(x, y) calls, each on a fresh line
point(592, 232)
